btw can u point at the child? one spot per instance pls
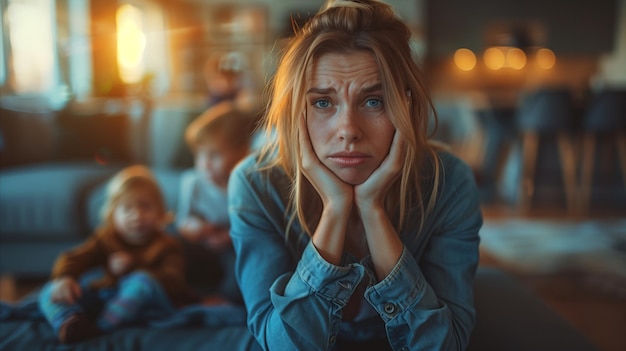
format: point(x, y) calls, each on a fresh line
point(219, 139)
point(144, 266)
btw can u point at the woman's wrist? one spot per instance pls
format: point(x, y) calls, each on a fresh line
point(370, 208)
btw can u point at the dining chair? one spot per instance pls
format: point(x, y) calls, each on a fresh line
point(547, 111)
point(605, 117)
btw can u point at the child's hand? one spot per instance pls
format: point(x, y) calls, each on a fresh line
point(216, 237)
point(120, 263)
point(192, 230)
point(65, 289)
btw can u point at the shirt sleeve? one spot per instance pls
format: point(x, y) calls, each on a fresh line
point(291, 305)
point(185, 197)
point(78, 260)
point(427, 300)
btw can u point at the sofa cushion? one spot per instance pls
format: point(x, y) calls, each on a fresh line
point(46, 201)
point(169, 180)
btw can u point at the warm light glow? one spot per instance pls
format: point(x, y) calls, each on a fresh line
point(131, 43)
point(515, 58)
point(494, 58)
point(546, 58)
point(465, 59)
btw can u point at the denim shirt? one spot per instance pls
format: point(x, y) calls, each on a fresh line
point(295, 298)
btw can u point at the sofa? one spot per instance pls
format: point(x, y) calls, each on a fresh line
point(48, 208)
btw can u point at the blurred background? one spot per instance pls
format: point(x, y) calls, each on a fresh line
point(118, 81)
point(530, 93)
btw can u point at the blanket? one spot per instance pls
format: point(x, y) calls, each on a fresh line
point(195, 327)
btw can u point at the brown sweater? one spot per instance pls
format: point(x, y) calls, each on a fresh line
point(162, 258)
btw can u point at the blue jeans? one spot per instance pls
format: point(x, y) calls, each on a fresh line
point(148, 302)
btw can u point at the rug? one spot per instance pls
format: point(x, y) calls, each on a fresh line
point(543, 246)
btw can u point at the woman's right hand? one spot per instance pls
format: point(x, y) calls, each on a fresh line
point(334, 192)
point(65, 289)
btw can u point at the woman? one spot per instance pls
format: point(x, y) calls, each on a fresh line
point(352, 229)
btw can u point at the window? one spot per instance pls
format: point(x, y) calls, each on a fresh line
point(31, 60)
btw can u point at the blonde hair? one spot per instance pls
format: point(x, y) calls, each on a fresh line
point(344, 26)
point(236, 125)
point(128, 180)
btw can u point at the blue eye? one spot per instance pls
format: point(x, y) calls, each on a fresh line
point(321, 103)
point(374, 103)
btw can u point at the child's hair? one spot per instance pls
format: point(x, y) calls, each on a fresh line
point(126, 180)
point(225, 119)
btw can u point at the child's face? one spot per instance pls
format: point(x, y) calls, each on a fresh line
point(215, 159)
point(137, 215)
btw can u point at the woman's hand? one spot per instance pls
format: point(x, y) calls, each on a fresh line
point(371, 193)
point(65, 289)
point(120, 263)
point(334, 192)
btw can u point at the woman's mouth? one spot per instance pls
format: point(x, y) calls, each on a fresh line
point(349, 159)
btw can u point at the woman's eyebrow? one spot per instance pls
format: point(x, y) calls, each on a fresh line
point(373, 88)
point(330, 90)
point(322, 91)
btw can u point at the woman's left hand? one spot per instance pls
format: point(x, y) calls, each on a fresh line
point(371, 193)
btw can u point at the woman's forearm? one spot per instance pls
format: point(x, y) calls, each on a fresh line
point(382, 239)
point(330, 234)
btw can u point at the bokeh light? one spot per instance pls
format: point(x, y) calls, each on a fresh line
point(131, 43)
point(515, 58)
point(494, 58)
point(545, 58)
point(465, 59)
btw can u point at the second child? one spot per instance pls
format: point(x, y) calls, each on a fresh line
point(219, 139)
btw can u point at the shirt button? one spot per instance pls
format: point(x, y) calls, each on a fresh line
point(333, 339)
point(389, 308)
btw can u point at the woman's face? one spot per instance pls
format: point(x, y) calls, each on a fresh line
point(346, 115)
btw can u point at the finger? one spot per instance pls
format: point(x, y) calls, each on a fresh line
point(397, 147)
point(394, 160)
point(305, 142)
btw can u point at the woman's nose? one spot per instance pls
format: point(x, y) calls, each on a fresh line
point(348, 127)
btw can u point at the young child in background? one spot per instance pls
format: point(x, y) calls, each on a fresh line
point(219, 139)
point(144, 266)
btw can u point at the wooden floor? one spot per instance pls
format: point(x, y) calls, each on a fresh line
point(597, 308)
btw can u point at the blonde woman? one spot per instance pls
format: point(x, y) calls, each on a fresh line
point(352, 230)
